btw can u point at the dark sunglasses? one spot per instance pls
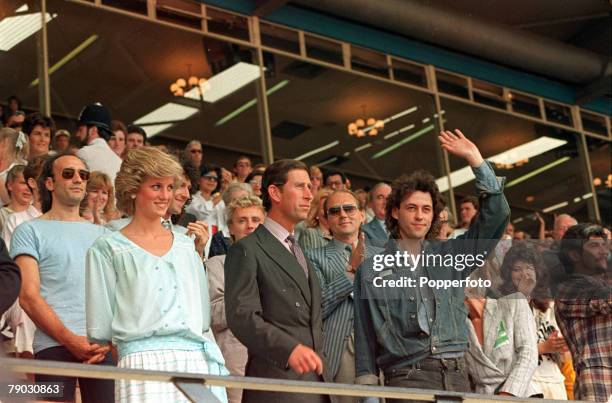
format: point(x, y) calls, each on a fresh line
point(68, 173)
point(349, 209)
point(210, 177)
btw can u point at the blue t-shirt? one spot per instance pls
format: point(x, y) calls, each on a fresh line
point(60, 248)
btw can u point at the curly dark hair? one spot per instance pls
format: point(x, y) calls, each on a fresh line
point(526, 253)
point(206, 168)
point(574, 239)
point(403, 187)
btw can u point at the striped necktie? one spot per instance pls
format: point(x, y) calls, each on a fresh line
point(297, 252)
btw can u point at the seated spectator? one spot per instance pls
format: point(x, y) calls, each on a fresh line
point(254, 179)
point(20, 196)
point(523, 271)
point(242, 168)
point(136, 137)
point(61, 141)
point(194, 153)
point(117, 140)
point(11, 145)
point(243, 216)
point(317, 233)
point(38, 128)
point(98, 207)
point(30, 175)
point(583, 305)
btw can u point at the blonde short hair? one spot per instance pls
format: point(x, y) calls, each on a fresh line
point(312, 221)
point(139, 165)
point(243, 202)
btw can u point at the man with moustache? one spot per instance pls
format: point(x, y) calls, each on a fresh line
point(50, 252)
point(583, 307)
point(417, 336)
point(272, 295)
point(335, 265)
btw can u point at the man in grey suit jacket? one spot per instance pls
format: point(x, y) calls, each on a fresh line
point(376, 231)
point(335, 265)
point(272, 296)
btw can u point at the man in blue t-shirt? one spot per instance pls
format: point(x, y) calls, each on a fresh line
point(50, 252)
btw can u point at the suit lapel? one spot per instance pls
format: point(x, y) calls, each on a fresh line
point(285, 260)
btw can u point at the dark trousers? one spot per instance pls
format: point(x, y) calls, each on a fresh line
point(92, 390)
point(445, 374)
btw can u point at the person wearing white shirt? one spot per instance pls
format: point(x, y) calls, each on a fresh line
point(97, 154)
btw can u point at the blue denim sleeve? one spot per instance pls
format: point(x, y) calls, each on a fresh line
point(485, 178)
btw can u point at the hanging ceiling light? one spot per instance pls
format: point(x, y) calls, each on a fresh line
point(365, 126)
point(181, 86)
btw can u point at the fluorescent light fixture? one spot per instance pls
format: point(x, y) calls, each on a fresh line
point(327, 161)
point(426, 120)
point(249, 104)
point(400, 143)
point(555, 207)
point(511, 156)
point(318, 150)
point(227, 82)
point(363, 147)
point(399, 131)
point(536, 172)
point(577, 199)
point(587, 196)
point(402, 113)
point(167, 112)
point(18, 28)
point(527, 150)
point(71, 55)
point(346, 154)
point(518, 220)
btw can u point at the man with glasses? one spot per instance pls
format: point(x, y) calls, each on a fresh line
point(335, 180)
point(193, 152)
point(97, 154)
point(335, 265)
point(50, 252)
point(583, 307)
point(242, 168)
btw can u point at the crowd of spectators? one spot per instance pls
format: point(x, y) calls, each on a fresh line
point(145, 257)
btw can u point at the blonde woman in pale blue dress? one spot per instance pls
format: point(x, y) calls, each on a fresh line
point(146, 288)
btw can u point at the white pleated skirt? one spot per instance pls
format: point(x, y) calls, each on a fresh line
point(160, 360)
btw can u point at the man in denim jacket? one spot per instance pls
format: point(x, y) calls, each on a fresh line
point(416, 334)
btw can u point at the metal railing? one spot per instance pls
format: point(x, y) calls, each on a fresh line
point(193, 386)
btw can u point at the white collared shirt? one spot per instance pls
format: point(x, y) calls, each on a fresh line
point(100, 157)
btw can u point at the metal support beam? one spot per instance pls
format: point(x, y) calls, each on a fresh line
point(44, 93)
point(263, 113)
point(587, 172)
